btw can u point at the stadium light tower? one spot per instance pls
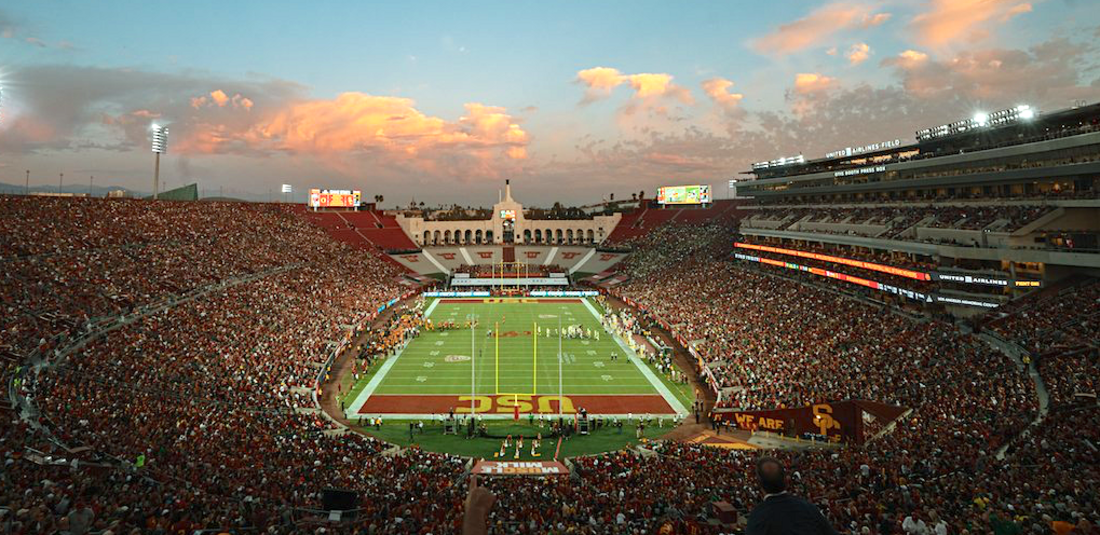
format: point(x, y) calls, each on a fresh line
point(160, 146)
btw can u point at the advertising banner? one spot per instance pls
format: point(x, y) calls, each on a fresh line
point(519, 468)
point(520, 281)
point(836, 422)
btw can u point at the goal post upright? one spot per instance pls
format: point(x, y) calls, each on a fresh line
point(496, 335)
point(560, 359)
point(534, 359)
point(473, 365)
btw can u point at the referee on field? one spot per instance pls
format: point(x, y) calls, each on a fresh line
point(782, 513)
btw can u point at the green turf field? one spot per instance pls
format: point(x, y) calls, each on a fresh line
point(510, 353)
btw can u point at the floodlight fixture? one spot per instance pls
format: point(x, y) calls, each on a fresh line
point(159, 146)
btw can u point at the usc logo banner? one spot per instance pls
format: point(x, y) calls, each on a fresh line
point(837, 421)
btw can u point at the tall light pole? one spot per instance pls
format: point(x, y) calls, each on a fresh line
point(160, 146)
point(27, 184)
point(60, 183)
point(91, 180)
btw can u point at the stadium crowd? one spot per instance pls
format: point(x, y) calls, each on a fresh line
point(770, 342)
point(891, 220)
point(1059, 330)
point(200, 415)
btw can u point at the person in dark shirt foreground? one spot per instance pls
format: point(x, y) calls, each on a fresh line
point(782, 513)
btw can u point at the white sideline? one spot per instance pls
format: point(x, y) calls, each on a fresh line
point(648, 373)
point(368, 390)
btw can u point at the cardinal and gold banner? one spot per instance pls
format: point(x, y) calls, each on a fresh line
point(841, 421)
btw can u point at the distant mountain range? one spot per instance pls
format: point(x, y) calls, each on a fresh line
point(97, 191)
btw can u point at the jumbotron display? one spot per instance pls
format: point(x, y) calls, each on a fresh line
point(334, 198)
point(697, 194)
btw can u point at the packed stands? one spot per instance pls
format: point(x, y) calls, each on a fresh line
point(634, 226)
point(194, 411)
point(1059, 330)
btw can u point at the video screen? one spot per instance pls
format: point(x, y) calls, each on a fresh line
point(334, 198)
point(698, 194)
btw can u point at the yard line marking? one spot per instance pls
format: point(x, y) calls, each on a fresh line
point(642, 390)
point(384, 370)
point(672, 400)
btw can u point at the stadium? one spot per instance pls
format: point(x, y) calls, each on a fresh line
point(908, 327)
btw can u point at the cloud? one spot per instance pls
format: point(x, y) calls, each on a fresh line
point(652, 91)
point(912, 56)
point(949, 21)
point(874, 20)
point(361, 122)
point(812, 82)
point(858, 53)
point(10, 29)
point(810, 88)
point(815, 28)
point(599, 81)
point(1049, 72)
point(221, 99)
point(242, 102)
point(718, 91)
point(112, 109)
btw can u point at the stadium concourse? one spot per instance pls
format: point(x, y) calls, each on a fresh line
point(163, 359)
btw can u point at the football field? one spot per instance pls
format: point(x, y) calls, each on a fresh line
point(509, 360)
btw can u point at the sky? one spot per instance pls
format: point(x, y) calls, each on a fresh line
point(442, 101)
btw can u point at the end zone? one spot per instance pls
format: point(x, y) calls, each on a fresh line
point(504, 405)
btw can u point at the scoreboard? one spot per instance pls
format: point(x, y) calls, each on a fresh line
point(697, 194)
point(334, 198)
